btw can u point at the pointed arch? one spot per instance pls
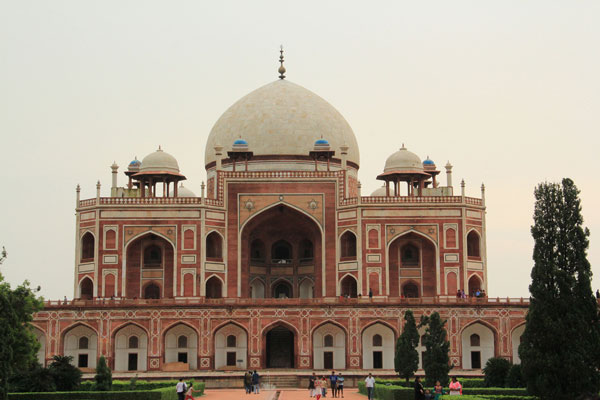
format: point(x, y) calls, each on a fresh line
point(226, 355)
point(257, 288)
point(80, 341)
point(87, 246)
point(214, 245)
point(187, 354)
point(86, 288)
point(293, 207)
point(214, 287)
point(473, 243)
point(128, 358)
point(348, 285)
point(348, 245)
point(515, 338)
point(329, 343)
point(475, 356)
point(280, 344)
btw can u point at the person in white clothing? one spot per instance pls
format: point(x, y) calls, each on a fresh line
point(370, 384)
point(181, 388)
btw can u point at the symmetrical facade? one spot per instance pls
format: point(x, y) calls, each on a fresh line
point(280, 262)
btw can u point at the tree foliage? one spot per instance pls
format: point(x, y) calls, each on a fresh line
point(36, 379)
point(560, 348)
point(103, 375)
point(436, 361)
point(514, 379)
point(495, 371)
point(18, 345)
point(406, 359)
point(66, 376)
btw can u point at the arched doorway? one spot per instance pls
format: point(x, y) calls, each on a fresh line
point(282, 290)
point(348, 287)
point(410, 290)
point(516, 341)
point(329, 347)
point(413, 255)
point(131, 349)
point(474, 285)
point(477, 346)
point(86, 289)
point(280, 348)
point(181, 345)
point(214, 288)
point(231, 347)
point(149, 261)
point(378, 347)
point(473, 245)
point(281, 244)
point(81, 343)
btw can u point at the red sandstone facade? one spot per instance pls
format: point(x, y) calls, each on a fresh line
point(281, 265)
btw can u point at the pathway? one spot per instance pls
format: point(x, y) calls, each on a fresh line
point(285, 394)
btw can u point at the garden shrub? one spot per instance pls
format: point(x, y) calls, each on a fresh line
point(495, 371)
point(465, 382)
point(515, 379)
point(156, 394)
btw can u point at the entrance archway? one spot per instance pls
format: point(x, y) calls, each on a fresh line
point(410, 255)
point(348, 286)
point(280, 348)
point(149, 255)
point(281, 243)
point(474, 285)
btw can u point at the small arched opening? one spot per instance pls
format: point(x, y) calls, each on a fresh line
point(214, 247)
point(86, 289)
point(87, 247)
point(474, 286)
point(281, 252)
point(257, 251)
point(409, 255)
point(280, 348)
point(348, 286)
point(410, 290)
point(214, 288)
point(473, 245)
point(348, 246)
point(306, 252)
point(282, 290)
point(257, 289)
point(152, 291)
point(153, 256)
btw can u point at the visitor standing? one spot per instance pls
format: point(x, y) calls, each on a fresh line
point(324, 386)
point(333, 383)
point(455, 387)
point(181, 389)
point(438, 390)
point(370, 384)
point(188, 394)
point(370, 293)
point(255, 382)
point(419, 391)
point(340, 385)
point(311, 385)
point(318, 388)
point(248, 382)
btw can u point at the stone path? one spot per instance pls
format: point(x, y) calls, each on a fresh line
point(285, 394)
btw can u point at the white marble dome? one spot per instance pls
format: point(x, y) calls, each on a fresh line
point(159, 161)
point(403, 161)
point(182, 191)
point(379, 191)
point(282, 118)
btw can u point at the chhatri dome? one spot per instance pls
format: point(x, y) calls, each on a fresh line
point(282, 119)
point(403, 161)
point(159, 161)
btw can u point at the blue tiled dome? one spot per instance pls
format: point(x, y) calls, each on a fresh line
point(135, 162)
point(428, 162)
point(321, 141)
point(240, 142)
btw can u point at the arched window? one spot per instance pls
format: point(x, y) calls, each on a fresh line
point(213, 288)
point(474, 285)
point(377, 340)
point(328, 341)
point(475, 340)
point(152, 256)
point(84, 343)
point(348, 246)
point(450, 238)
point(281, 252)
point(257, 250)
point(111, 239)
point(410, 290)
point(348, 286)
point(410, 255)
point(182, 342)
point(87, 247)
point(152, 291)
point(214, 246)
point(133, 342)
point(231, 341)
point(473, 244)
point(306, 250)
point(188, 239)
point(86, 289)
point(282, 290)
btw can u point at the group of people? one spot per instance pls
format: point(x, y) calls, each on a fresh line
point(252, 382)
point(479, 293)
point(183, 391)
point(317, 387)
point(454, 389)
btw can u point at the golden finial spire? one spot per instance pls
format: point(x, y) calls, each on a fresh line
point(281, 68)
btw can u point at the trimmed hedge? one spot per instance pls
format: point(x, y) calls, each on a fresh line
point(465, 382)
point(383, 392)
point(119, 386)
point(496, 391)
point(488, 397)
point(165, 393)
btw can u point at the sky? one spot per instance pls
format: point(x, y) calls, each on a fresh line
point(507, 91)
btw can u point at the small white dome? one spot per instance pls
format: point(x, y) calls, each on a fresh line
point(403, 161)
point(379, 191)
point(182, 191)
point(159, 161)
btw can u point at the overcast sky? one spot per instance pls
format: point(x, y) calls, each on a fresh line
point(508, 91)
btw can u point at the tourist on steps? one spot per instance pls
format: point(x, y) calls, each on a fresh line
point(248, 382)
point(256, 382)
point(333, 383)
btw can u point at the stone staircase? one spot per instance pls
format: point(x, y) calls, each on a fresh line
point(280, 381)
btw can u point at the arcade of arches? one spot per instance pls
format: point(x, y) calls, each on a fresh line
point(281, 255)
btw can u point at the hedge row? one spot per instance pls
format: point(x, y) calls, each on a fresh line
point(392, 392)
point(465, 382)
point(165, 393)
point(119, 386)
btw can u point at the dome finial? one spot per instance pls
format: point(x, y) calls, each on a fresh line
point(281, 68)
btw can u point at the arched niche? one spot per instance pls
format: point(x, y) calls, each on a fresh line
point(86, 289)
point(473, 244)
point(475, 356)
point(475, 285)
point(421, 260)
point(378, 357)
point(307, 288)
point(214, 246)
point(516, 342)
point(349, 286)
point(41, 338)
point(257, 289)
point(329, 347)
point(348, 246)
point(131, 349)
point(226, 355)
point(81, 343)
point(214, 288)
point(181, 345)
point(153, 253)
point(410, 290)
point(87, 247)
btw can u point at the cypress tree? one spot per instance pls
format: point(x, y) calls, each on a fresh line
point(560, 348)
point(103, 375)
point(436, 361)
point(406, 359)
